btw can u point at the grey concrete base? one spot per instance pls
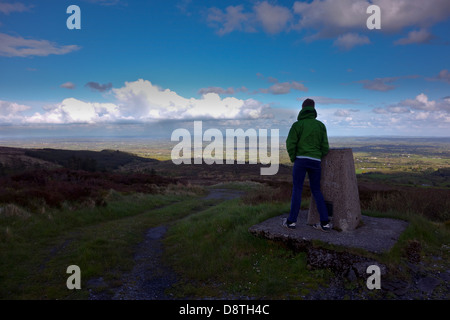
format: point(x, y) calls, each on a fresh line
point(375, 235)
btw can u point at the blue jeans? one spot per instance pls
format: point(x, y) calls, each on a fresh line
point(314, 170)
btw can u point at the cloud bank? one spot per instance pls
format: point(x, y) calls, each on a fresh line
point(139, 101)
point(144, 101)
point(343, 20)
point(419, 116)
point(11, 112)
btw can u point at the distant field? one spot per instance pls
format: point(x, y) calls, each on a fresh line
point(408, 161)
point(144, 147)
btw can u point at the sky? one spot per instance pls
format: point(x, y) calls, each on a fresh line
point(146, 68)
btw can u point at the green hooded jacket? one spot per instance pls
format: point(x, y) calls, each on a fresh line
point(307, 136)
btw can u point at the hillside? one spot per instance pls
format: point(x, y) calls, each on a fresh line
point(57, 175)
point(97, 208)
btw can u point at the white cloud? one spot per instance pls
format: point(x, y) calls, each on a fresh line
point(72, 110)
point(397, 109)
point(349, 40)
point(330, 17)
point(273, 18)
point(95, 86)
point(19, 47)
point(421, 115)
point(346, 121)
point(383, 84)
point(344, 112)
point(220, 90)
point(417, 116)
point(217, 90)
point(233, 18)
point(145, 101)
point(284, 87)
point(327, 100)
point(344, 20)
point(11, 111)
point(68, 85)
point(380, 110)
point(7, 107)
point(399, 14)
point(379, 84)
point(444, 75)
point(16, 46)
point(420, 103)
point(276, 88)
point(419, 36)
point(139, 101)
point(280, 87)
point(105, 2)
point(7, 8)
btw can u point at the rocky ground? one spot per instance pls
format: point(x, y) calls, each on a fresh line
point(419, 281)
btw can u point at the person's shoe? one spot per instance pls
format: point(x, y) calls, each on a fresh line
point(286, 224)
point(325, 227)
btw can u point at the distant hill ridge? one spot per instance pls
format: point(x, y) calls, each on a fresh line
point(104, 160)
point(19, 159)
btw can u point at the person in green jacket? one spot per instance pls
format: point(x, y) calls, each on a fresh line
point(307, 144)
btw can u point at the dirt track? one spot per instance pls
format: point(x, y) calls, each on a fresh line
point(150, 277)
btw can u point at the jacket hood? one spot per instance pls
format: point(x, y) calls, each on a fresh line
point(307, 113)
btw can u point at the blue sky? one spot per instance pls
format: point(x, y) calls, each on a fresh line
point(148, 67)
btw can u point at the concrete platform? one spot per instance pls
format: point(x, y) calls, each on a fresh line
point(376, 235)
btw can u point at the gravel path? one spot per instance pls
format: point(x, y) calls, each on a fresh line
point(150, 277)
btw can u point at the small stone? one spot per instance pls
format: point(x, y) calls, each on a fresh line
point(396, 286)
point(445, 276)
point(351, 275)
point(413, 251)
point(427, 284)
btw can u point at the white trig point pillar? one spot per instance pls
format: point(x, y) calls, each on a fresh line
point(340, 190)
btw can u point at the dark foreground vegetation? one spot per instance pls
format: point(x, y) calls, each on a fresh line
point(58, 209)
point(40, 189)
